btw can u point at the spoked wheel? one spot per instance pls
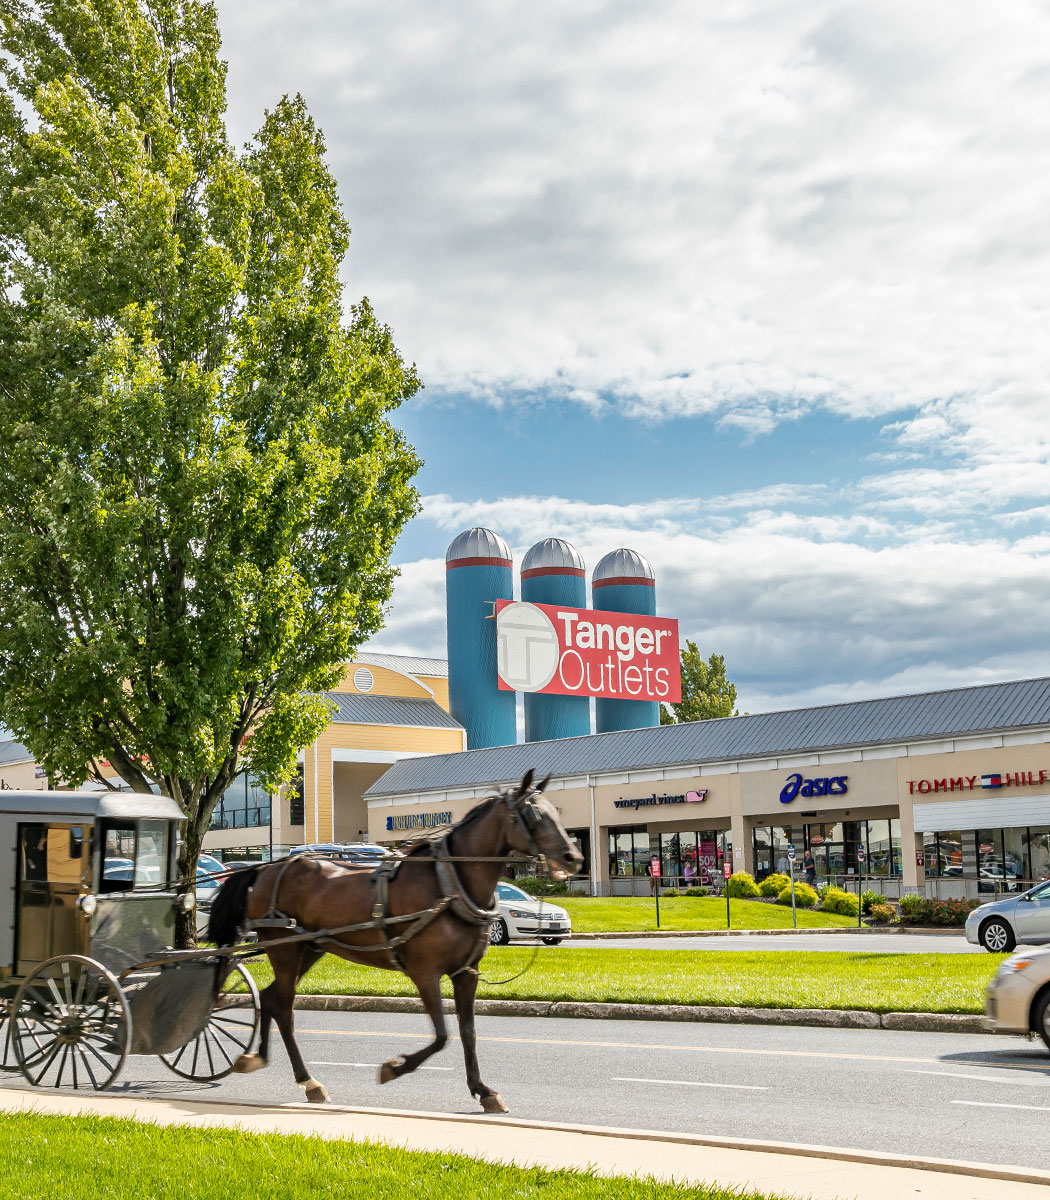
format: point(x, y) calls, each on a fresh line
point(70, 1025)
point(7, 1053)
point(229, 1033)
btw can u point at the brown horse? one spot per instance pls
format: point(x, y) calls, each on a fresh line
point(318, 895)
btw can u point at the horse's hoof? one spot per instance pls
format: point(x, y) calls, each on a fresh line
point(390, 1070)
point(493, 1103)
point(316, 1092)
point(248, 1063)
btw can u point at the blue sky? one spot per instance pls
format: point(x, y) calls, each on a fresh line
point(757, 288)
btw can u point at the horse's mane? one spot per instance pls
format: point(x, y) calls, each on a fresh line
point(422, 842)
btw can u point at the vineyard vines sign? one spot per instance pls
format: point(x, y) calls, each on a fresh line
point(694, 797)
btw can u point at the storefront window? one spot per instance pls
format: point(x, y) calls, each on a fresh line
point(1039, 853)
point(880, 849)
point(763, 838)
point(1015, 855)
point(628, 851)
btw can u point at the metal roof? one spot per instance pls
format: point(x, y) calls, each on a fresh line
point(986, 708)
point(122, 805)
point(352, 709)
point(435, 668)
point(553, 552)
point(14, 752)
point(624, 564)
point(477, 543)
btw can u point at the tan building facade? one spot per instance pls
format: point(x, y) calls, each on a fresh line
point(957, 815)
point(19, 770)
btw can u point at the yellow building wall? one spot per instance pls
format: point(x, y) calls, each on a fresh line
point(438, 684)
point(387, 683)
point(319, 801)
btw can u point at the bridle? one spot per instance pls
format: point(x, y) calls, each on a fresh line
point(526, 817)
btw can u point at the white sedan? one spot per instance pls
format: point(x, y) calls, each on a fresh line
point(524, 916)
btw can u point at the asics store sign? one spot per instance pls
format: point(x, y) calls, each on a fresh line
point(834, 785)
point(582, 652)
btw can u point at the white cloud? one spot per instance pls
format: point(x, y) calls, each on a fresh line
point(745, 210)
point(800, 618)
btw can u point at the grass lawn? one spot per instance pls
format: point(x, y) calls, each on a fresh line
point(618, 914)
point(100, 1158)
point(952, 983)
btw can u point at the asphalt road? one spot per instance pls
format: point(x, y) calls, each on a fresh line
point(942, 1095)
point(865, 943)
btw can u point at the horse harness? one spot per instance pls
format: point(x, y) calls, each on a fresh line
point(455, 896)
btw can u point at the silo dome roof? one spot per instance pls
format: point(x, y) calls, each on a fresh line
point(477, 543)
point(623, 564)
point(553, 552)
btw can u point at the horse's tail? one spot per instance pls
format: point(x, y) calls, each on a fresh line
point(229, 906)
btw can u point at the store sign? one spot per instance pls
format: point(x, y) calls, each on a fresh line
point(697, 797)
point(972, 783)
point(419, 821)
point(834, 785)
point(585, 652)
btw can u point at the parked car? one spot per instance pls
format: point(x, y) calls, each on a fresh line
point(1002, 924)
point(347, 851)
point(524, 916)
point(1018, 997)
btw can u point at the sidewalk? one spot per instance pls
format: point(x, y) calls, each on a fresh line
point(779, 1168)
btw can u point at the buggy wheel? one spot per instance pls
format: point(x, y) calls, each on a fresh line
point(70, 1025)
point(7, 1054)
point(229, 1033)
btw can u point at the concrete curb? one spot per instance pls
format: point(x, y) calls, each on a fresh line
point(828, 1018)
point(717, 933)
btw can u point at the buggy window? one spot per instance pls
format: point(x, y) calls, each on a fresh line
point(134, 858)
point(51, 855)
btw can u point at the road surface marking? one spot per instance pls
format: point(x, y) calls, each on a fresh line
point(981, 1078)
point(325, 1063)
point(886, 1058)
point(737, 1087)
point(988, 1104)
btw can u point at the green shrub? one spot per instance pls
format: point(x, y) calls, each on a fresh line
point(843, 903)
point(823, 890)
point(805, 896)
point(774, 884)
point(952, 912)
point(869, 898)
point(539, 885)
point(696, 891)
point(915, 910)
point(881, 914)
point(670, 893)
point(741, 886)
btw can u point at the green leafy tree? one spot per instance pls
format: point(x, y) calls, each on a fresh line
point(706, 691)
point(201, 486)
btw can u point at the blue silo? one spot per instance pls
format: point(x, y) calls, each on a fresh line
point(553, 572)
point(624, 582)
point(478, 570)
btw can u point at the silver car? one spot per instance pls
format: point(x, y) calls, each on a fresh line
point(999, 926)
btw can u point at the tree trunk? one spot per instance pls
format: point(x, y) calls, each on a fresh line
point(189, 851)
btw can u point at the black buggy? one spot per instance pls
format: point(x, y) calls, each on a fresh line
point(88, 897)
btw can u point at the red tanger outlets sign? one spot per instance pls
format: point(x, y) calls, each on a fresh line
point(583, 652)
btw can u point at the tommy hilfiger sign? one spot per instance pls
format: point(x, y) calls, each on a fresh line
point(971, 783)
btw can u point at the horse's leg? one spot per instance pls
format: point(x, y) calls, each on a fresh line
point(289, 963)
point(269, 999)
point(465, 988)
point(429, 987)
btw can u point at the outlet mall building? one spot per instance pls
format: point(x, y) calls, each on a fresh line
point(946, 791)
